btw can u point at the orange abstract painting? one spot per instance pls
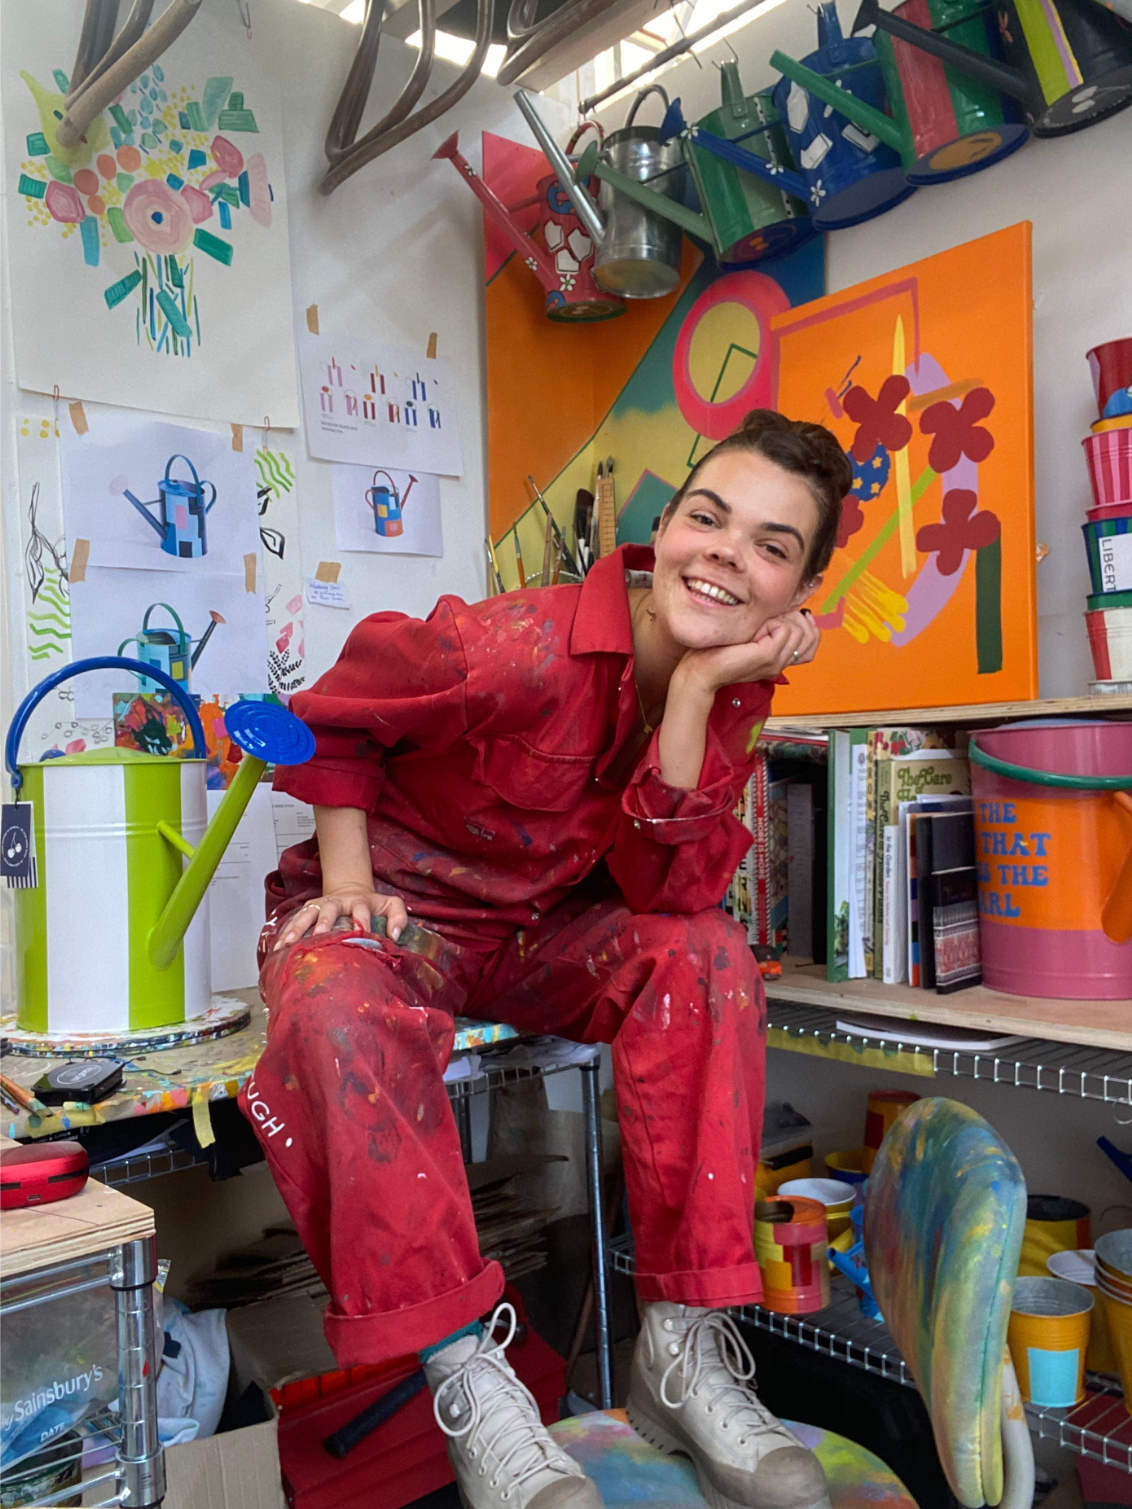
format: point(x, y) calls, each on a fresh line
point(925, 376)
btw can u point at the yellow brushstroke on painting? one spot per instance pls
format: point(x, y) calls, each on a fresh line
point(872, 607)
point(902, 470)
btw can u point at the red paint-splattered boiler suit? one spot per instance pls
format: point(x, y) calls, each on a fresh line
point(517, 807)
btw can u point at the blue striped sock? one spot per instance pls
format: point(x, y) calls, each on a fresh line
point(473, 1328)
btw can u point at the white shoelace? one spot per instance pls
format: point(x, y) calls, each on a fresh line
point(508, 1405)
point(710, 1346)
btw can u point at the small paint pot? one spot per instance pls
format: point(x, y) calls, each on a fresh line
point(1110, 366)
point(838, 1199)
point(1108, 455)
point(1079, 1267)
point(1048, 1336)
point(791, 1245)
point(883, 1108)
point(1108, 545)
point(1053, 1224)
point(847, 1166)
point(1110, 640)
point(1109, 511)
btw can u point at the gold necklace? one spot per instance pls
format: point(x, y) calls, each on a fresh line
point(650, 728)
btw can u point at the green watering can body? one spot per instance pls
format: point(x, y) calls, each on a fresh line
point(1068, 62)
point(111, 936)
point(945, 123)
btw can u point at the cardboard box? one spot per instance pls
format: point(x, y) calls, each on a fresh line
point(236, 1470)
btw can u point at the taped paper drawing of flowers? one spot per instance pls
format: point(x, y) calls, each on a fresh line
point(163, 174)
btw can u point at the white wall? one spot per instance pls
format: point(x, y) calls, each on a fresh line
point(1077, 192)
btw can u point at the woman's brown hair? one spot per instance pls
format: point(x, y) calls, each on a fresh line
point(809, 451)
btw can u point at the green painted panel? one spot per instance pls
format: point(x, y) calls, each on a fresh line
point(153, 791)
point(31, 920)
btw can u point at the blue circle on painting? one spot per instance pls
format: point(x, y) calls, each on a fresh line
point(869, 477)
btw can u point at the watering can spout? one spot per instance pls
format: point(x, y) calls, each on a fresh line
point(1000, 76)
point(265, 733)
point(874, 121)
point(529, 250)
point(144, 511)
point(574, 182)
point(688, 220)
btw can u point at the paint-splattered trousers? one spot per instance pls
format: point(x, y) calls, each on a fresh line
point(349, 1103)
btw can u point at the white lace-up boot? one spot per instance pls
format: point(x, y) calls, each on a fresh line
point(693, 1391)
point(500, 1449)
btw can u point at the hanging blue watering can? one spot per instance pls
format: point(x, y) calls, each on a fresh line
point(169, 651)
point(388, 504)
point(182, 512)
point(850, 175)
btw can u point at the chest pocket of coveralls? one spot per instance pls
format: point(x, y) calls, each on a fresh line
point(526, 777)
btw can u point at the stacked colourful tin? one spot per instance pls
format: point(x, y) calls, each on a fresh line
point(1108, 532)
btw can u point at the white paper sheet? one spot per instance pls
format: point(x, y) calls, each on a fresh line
point(110, 607)
point(294, 820)
point(375, 405)
point(236, 892)
point(150, 264)
point(368, 498)
point(123, 456)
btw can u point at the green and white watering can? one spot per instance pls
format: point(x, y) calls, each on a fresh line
point(112, 938)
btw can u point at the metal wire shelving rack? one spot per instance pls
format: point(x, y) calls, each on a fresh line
point(1100, 1428)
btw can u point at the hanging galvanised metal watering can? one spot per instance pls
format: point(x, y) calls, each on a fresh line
point(181, 512)
point(744, 217)
point(99, 936)
point(944, 124)
point(1069, 62)
point(387, 504)
point(851, 175)
point(168, 650)
point(560, 253)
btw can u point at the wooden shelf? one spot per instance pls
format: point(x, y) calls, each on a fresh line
point(1102, 1024)
point(83, 1226)
point(977, 712)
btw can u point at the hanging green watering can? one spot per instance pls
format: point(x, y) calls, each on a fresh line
point(944, 124)
point(744, 218)
point(1069, 62)
point(99, 935)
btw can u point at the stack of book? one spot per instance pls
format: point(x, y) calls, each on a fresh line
point(902, 893)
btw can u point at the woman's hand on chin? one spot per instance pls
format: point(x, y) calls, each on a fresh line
point(790, 639)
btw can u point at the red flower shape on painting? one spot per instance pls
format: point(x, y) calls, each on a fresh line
point(876, 419)
point(850, 521)
point(960, 529)
point(957, 430)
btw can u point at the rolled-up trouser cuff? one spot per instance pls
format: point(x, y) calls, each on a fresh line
point(717, 1288)
point(357, 1340)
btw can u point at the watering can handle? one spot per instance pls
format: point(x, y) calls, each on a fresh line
point(579, 131)
point(168, 609)
point(179, 457)
point(642, 97)
point(1047, 777)
point(96, 663)
point(858, 1276)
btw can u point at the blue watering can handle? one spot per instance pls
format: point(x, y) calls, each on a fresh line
point(858, 1275)
point(1047, 777)
point(96, 663)
point(188, 463)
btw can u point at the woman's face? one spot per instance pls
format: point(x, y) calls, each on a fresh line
point(732, 554)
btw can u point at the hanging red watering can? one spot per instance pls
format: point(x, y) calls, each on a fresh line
point(560, 253)
point(1069, 62)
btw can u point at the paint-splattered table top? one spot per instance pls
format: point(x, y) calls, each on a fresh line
point(177, 1079)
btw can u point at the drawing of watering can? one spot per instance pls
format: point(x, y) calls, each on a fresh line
point(944, 124)
point(388, 504)
point(748, 212)
point(114, 827)
point(182, 512)
point(169, 651)
point(1069, 62)
point(560, 253)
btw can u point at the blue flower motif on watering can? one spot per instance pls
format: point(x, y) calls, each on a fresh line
point(851, 175)
point(557, 199)
point(870, 477)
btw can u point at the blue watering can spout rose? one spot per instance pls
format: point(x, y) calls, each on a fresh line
point(181, 510)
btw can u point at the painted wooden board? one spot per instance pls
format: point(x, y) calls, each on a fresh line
point(177, 1079)
point(974, 712)
point(1103, 1024)
point(84, 1225)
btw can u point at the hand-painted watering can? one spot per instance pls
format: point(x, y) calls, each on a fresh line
point(745, 217)
point(182, 509)
point(851, 175)
point(639, 256)
point(944, 124)
point(560, 254)
point(1069, 62)
point(169, 651)
point(99, 936)
point(1053, 848)
point(388, 504)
